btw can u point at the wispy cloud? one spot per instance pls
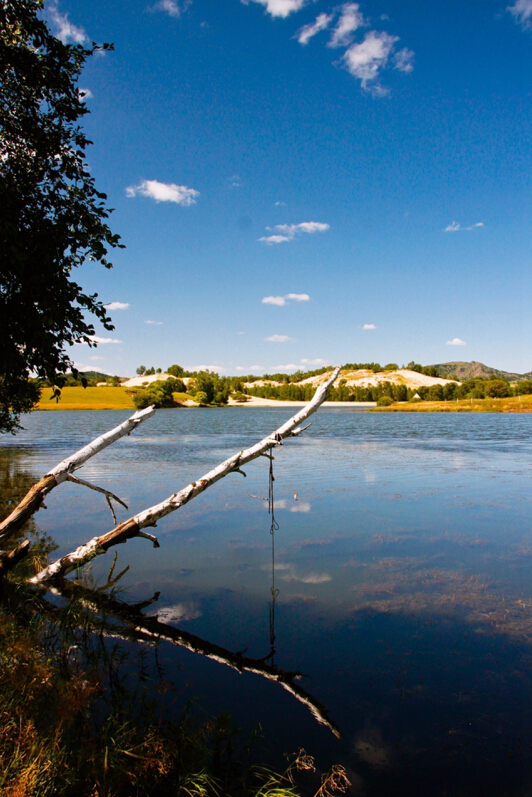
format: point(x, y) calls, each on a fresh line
point(303, 507)
point(117, 306)
point(98, 339)
point(369, 326)
point(274, 239)
point(456, 342)
point(522, 12)
point(287, 232)
point(173, 8)
point(278, 300)
point(205, 368)
point(298, 297)
point(350, 20)
point(279, 8)
point(280, 203)
point(287, 367)
point(305, 34)
point(64, 29)
point(250, 368)
point(164, 192)
point(455, 227)
point(317, 361)
point(282, 300)
point(366, 59)
point(403, 60)
point(155, 323)
point(278, 338)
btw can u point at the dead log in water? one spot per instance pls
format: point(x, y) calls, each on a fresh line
point(133, 527)
point(34, 498)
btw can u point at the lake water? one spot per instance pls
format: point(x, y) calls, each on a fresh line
point(404, 571)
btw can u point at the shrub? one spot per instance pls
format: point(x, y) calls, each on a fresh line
point(498, 388)
point(384, 401)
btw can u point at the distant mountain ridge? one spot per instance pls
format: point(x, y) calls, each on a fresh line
point(464, 371)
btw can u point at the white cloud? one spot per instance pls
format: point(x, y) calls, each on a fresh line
point(172, 7)
point(303, 507)
point(455, 342)
point(366, 59)
point(306, 33)
point(97, 339)
point(317, 361)
point(85, 94)
point(164, 192)
point(350, 20)
point(95, 358)
point(278, 300)
point(187, 610)
point(403, 60)
point(280, 203)
point(305, 226)
point(274, 239)
point(155, 323)
point(205, 368)
point(64, 29)
point(279, 8)
point(522, 12)
point(288, 367)
point(369, 326)
point(298, 297)
point(281, 300)
point(256, 368)
point(455, 227)
point(289, 231)
point(117, 306)
point(278, 338)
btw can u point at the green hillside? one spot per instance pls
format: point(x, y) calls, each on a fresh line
point(464, 371)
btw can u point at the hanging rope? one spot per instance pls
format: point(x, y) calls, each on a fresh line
point(273, 528)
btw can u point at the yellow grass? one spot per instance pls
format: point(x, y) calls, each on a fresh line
point(512, 404)
point(90, 398)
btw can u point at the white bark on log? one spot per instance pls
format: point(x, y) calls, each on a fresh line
point(35, 496)
point(149, 517)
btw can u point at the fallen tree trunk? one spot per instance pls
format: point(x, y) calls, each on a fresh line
point(149, 517)
point(34, 498)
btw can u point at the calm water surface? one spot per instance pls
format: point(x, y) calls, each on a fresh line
point(404, 571)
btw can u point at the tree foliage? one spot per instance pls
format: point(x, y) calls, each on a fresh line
point(53, 217)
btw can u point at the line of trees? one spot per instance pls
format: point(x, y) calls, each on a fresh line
point(472, 388)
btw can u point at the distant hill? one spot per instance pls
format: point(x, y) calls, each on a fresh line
point(96, 376)
point(464, 371)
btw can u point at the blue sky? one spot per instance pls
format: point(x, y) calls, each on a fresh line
point(300, 182)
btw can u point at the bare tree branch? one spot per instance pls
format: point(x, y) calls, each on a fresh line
point(149, 517)
point(34, 498)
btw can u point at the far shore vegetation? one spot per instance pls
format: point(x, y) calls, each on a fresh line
point(94, 390)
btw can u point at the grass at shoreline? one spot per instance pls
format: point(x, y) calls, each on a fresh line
point(512, 404)
point(89, 398)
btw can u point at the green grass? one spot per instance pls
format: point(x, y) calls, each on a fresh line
point(512, 404)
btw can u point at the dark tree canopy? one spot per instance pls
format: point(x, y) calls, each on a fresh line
point(52, 216)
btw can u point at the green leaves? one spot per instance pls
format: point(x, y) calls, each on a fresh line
point(53, 217)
